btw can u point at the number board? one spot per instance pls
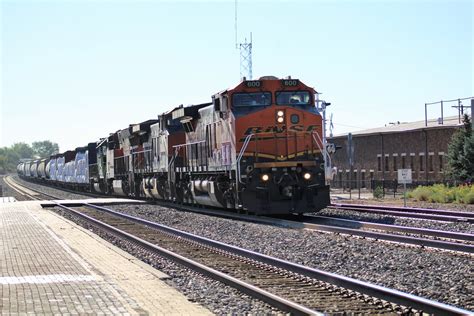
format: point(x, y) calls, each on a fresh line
point(253, 84)
point(290, 82)
point(404, 175)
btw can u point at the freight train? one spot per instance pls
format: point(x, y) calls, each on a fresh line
point(257, 147)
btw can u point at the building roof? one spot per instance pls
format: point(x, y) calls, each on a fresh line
point(398, 127)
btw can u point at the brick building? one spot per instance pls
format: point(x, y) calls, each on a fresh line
point(379, 152)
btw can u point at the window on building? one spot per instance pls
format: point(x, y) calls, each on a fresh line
point(441, 166)
point(379, 163)
point(387, 168)
point(430, 163)
point(412, 162)
point(404, 162)
point(422, 163)
point(394, 163)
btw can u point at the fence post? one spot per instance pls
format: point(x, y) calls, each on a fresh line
point(358, 182)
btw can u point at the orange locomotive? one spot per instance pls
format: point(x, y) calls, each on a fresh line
point(279, 133)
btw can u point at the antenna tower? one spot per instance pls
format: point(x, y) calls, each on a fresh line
point(245, 52)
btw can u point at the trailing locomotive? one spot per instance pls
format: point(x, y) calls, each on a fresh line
point(257, 147)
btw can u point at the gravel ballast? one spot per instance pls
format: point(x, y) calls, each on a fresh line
point(433, 274)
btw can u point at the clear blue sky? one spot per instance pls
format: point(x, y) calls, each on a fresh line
point(74, 71)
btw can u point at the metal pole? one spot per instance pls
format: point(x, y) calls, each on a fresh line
point(459, 111)
point(442, 117)
point(426, 115)
point(405, 193)
point(358, 182)
point(323, 107)
point(350, 183)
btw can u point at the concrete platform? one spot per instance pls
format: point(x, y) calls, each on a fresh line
point(49, 265)
point(96, 201)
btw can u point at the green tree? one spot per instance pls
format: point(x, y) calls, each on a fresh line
point(468, 157)
point(9, 156)
point(3, 160)
point(460, 152)
point(23, 150)
point(45, 148)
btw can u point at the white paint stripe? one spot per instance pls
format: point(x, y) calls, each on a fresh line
point(43, 279)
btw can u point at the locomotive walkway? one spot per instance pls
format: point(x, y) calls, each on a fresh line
point(49, 265)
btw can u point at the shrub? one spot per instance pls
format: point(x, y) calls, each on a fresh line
point(442, 194)
point(422, 193)
point(378, 192)
point(469, 198)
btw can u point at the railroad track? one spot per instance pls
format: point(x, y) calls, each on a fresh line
point(436, 239)
point(288, 286)
point(26, 192)
point(412, 236)
point(412, 212)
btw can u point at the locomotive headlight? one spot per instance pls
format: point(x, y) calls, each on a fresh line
point(280, 116)
point(265, 177)
point(307, 176)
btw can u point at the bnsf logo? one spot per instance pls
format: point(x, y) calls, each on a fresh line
point(279, 129)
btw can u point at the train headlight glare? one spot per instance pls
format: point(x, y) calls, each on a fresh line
point(280, 119)
point(307, 176)
point(280, 113)
point(265, 177)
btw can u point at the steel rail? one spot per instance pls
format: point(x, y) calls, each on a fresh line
point(430, 216)
point(418, 241)
point(393, 296)
point(274, 300)
point(407, 209)
point(394, 228)
point(17, 187)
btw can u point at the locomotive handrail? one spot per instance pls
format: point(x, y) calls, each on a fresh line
point(241, 153)
point(324, 152)
point(191, 143)
point(239, 157)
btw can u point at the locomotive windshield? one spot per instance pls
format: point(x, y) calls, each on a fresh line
point(293, 98)
point(251, 99)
